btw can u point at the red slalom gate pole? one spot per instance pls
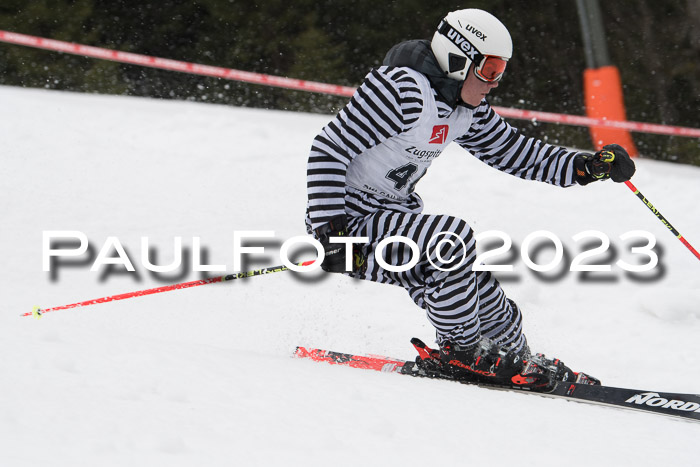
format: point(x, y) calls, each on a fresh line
point(312, 86)
point(173, 65)
point(662, 218)
point(38, 312)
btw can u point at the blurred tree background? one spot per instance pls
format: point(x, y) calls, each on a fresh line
point(654, 43)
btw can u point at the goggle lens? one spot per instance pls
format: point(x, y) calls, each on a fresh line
point(491, 68)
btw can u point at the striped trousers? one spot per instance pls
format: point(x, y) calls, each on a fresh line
point(463, 305)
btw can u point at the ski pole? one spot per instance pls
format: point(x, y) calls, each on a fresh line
point(38, 312)
point(662, 218)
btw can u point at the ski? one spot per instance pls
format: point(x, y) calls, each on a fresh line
point(683, 406)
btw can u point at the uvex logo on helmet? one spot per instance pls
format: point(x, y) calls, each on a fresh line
point(476, 32)
point(460, 41)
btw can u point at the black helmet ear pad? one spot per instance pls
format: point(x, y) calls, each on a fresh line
point(456, 62)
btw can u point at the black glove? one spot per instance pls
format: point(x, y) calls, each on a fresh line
point(612, 162)
point(334, 260)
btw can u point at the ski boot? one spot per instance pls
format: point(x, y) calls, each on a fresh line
point(485, 362)
point(490, 363)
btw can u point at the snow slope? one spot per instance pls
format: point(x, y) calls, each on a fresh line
point(203, 376)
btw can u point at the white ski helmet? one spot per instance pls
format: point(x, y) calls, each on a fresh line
point(472, 36)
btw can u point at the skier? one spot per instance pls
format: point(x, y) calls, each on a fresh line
point(363, 168)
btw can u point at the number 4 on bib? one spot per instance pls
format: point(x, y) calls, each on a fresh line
point(402, 175)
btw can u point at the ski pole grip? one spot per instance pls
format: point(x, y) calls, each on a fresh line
point(607, 156)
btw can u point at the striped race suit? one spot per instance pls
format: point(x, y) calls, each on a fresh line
point(365, 164)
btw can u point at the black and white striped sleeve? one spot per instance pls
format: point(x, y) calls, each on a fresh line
point(387, 103)
point(499, 145)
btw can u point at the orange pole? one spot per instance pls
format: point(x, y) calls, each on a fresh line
point(603, 99)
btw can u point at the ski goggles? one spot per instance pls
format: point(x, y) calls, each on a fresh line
point(490, 69)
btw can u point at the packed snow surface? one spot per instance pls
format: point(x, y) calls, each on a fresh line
point(204, 376)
